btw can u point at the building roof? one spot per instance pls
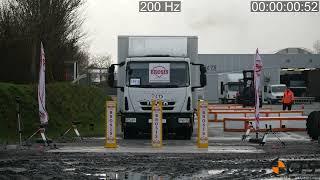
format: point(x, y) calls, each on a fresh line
point(294, 50)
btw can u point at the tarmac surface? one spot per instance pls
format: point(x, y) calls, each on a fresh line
point(227, 157)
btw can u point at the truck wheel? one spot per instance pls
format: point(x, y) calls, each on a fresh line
point(183, 134)
point(127, 133)
point(313, 125)
point(187, 134)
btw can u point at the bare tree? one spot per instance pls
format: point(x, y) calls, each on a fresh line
point(101, 63)
point(56, 23)
point(83, 60)
point(316, 46)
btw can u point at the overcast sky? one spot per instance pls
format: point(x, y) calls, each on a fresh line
point(223, 26)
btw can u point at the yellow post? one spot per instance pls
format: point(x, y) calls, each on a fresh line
point(156, 125)
point(202, 138)
point(111, 124)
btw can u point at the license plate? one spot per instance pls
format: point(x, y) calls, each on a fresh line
point(163, 120)
point(131, 120)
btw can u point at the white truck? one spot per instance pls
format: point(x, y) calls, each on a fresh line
point(229, 85)
point(157, 67)
point(274, 93)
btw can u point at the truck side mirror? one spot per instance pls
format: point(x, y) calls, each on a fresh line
point(203, 69)
point(129, 70)
point(111, 76)
point(203, 76)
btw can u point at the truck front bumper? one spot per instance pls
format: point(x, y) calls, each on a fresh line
point(172, 122)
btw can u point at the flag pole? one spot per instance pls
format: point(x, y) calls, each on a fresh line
point(255, 98)
point(43, 115)
point(255, 94)
point(257, 69)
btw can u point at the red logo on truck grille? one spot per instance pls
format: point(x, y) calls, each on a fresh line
point(159, 71)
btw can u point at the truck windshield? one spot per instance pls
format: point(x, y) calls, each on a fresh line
point(278, 88)
point(157, 74)
point(234, 86)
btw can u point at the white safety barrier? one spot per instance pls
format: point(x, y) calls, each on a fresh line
point(156, 125)
point(297, 123)
point(202, 139)
point(111, 123)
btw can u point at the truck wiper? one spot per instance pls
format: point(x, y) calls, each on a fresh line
point(172, 86)
point(146, 86)
point(167, 86)
point(158, 86)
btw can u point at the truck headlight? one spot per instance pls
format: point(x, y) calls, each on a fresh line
point(183, 120)
point(131, 120)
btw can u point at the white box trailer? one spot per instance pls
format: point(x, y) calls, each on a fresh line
point(158, 67)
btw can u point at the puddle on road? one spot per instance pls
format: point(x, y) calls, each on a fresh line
point(215, 171)
point(129, 176)
point(69, 169)
point(229, 173)
point(12, 169)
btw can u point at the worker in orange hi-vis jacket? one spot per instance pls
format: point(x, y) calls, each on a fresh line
point(288, 99)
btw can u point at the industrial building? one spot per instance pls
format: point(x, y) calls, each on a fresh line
point(296, 67)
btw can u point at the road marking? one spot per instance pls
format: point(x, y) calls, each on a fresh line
point(167, 149)
point(298, 136)
point(287, 136)
point(212, 139)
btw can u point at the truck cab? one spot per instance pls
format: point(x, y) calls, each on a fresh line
point(274, 93)
point(230, 85)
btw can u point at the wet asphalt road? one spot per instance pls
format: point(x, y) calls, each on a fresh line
point(179, 159)
point(38, 163)
point(226, 158)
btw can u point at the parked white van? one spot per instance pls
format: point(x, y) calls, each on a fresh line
point(274, 93)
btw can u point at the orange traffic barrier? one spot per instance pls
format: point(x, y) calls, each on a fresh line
point(238, 109)
point(219, 116)
point(278, 123)
point(224, 106)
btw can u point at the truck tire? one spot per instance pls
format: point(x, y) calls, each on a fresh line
point(127, 133)
point(313, 125)
point(184, 134)
point(188, 134)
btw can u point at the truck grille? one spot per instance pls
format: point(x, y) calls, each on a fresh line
point(164, 108)
point(168, 106)
point(146, 103)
